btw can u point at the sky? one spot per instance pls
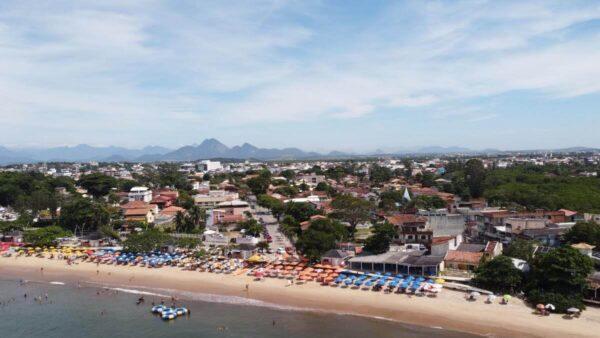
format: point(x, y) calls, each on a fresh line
point(318, 75)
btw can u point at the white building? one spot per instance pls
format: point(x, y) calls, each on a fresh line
point(140, 194)
point(208, 165)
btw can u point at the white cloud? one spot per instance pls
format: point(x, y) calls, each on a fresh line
point(154, 64)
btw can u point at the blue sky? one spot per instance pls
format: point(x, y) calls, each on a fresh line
point(319, 75)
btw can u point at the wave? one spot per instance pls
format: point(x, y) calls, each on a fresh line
point(139, 292)
point(56, 283)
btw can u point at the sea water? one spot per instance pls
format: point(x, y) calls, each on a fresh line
point(65, 310)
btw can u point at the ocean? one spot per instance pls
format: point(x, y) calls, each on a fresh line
point(94, 311)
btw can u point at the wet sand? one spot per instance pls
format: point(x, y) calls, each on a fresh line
point(449, 310)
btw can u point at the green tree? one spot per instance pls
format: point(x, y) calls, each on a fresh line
point(499, 275)
point(82, 215)
point(521, 249)
point(97, 185)
point(474, 177)
point(259, 185)
point(379, 174)
point(320, 237)
point(588, 232)
point(288, 174)
point(563, 272)
point(252, 227)
point(188, 242)
point(45, 236)
point(380, 239)
point(290, 226)
point(300, 211)
point(426, 202)
point(146, 241)
point(276, 206)
point(352, 210)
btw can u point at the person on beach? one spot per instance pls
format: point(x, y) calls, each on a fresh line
point(273, 322)
point(97, 272)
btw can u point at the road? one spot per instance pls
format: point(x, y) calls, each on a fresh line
point(279, 240)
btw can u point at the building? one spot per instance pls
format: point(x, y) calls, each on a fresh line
point(467, 257)
point(443, 223)
point(335, 257)
point(311, 179)
point(139, 211)
point(411, 228)
point(140, 194)
point(209, 166)
point(404, 262)
point(214, 197)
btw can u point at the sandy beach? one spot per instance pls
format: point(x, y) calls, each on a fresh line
point(449, 310)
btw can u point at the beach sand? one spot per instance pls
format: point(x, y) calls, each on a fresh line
point(449, 310)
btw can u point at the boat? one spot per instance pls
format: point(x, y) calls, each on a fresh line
point(158, 308)
point(169, 314)
point(181, 311)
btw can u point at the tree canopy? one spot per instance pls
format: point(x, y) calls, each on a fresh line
point(352, 210)
point(499, 275)
point(45, 236)
point(588, 232)
point(97, 185)
point(149, 240)
point(82, 215)
point(380, 239)
point(320, 237)
point(559, 275)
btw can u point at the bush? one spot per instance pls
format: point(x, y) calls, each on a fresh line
point(561, 301)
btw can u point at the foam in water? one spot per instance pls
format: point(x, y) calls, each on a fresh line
point(57, 283)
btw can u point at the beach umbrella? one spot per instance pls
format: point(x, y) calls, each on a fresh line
point(550, 307)
point(437, 281)
point(474, 294)
point(507, 297)
point(540, 307)
point(573, 310)
point(491, 298)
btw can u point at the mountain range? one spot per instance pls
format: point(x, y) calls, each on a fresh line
point(208, 149)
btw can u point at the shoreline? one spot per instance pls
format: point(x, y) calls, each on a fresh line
point(449, 310)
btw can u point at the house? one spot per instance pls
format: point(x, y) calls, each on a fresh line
point(335, 257)
point(214, 197)
point(139, 211)
point(306, 224)
point(310, 179)
point(441, 245)
point(467, 257)
point(411, 228)
point(140, 194)
point(243, 251)
point(584, 248)
point(462, 260)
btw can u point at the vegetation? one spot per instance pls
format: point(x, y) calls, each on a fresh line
point(276, 206)
point(521, 249)
point(588, 232)
point(259, 184)
point(32, 191)
point(499, 275)
point(426, 202)
point(97, 185)
point(382, 236)
point(45, 236)
point(252, 227)
point(320, 237)
point(559, 277)
point(379, 175)
point(352, 210)
point(149, 240)
point(83, 215)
